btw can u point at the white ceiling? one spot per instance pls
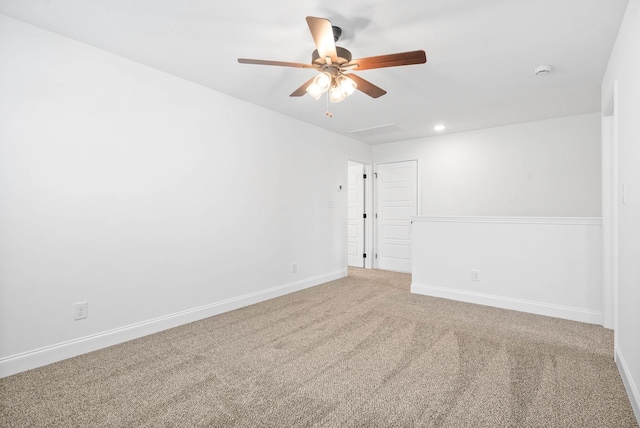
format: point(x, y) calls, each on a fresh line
point(480, 54)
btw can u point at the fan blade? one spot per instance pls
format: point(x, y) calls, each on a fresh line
point(278, 63)
point(323, 37)
point(302, 90)
point(391, 60)
point(367, 87)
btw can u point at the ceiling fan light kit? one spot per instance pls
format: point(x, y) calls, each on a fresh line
point(333, 62)
point(339, 87)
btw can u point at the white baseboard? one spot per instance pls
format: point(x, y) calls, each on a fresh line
point(629, 384)
point(539, 308)
point(40, 357)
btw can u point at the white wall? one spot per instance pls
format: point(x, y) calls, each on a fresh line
point(544, 265)
point(624, 67)
point(156, 200)
point(549, 168)
point(502, 197)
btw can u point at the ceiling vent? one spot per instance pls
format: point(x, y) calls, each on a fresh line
point(376, 130)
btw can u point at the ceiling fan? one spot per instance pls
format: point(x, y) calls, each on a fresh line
point(333, 62)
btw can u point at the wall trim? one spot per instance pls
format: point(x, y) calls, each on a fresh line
point(630, 386)
point(60, 351)
point(582, 221)
point(521, 305)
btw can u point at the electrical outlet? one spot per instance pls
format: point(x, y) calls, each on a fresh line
point(294, 267)
point(80, 310)
point(475, 275)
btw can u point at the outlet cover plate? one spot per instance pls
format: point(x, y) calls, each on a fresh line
point(80, 310)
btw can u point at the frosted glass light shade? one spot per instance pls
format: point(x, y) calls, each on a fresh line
point(323, 80)
point(319, 85)
point(346, 84)
point(314, 90)
point(336, 94)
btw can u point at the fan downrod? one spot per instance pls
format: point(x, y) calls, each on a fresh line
point(337, 32)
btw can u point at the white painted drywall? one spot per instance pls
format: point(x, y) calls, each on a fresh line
point(156, 200)
point(547, 266)
point(624, 67)
point(549, 168)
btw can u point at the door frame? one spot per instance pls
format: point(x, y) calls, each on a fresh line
point(610, 201)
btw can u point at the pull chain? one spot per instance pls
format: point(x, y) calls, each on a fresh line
point(328, 113)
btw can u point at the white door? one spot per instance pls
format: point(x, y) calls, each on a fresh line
point(355, 216)
point(396, 201)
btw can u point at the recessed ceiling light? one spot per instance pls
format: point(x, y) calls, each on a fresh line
point(439, 128)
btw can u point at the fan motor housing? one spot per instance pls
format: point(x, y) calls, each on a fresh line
point(344, 56)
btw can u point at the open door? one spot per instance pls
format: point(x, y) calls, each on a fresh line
point(356, 215)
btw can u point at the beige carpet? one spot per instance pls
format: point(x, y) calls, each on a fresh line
point(361, 351)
